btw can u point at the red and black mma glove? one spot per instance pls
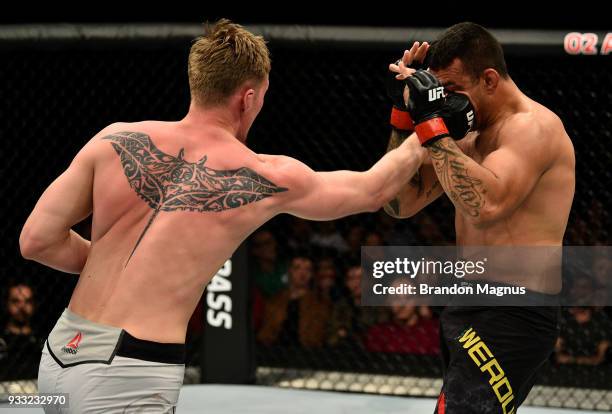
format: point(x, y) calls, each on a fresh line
point(400, 118)
point(426, 107)
point(459, 115)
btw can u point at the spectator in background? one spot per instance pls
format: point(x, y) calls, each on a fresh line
point(384, 225)
point(374, 248)
point(585, 337)
point(429, 231)
point(602, 269)
point(350, 321)
point(21, 342)
point(403, 234)
point(354, 241)
point(295, 316)
point(412, 330)
point(257, 308)
point(582, 288)
point(325, 279)
point(300, 232)
point(373, 238)
point(268, 271)
point(327, 236)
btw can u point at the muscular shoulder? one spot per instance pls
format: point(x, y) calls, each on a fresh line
point(133, 127)
point(148, 133)
point(539, 123)
point(105, 132)
point(536, 134)
point(286, 171)
point(92, 149)
point(95, 147)
point(113, 128)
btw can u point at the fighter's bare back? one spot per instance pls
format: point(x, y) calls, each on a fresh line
point(153, 251)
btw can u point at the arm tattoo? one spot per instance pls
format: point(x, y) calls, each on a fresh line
point(393, 207)
point(397, 138)
point(169, 183)
point(433, 187)
point(466, 192)
point(417, 182)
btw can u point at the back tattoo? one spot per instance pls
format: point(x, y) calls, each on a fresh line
point(169, 183)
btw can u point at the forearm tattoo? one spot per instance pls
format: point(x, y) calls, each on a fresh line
point(397, 138)
point(393, 207)
point(465, 191)
point(417, 182)
point(431, 190)
point(169, 183)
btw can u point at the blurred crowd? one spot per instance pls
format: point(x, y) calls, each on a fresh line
point(306, 279)
point(307, 293)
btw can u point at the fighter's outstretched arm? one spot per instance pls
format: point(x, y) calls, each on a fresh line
point(331, 195)
point(422, 189)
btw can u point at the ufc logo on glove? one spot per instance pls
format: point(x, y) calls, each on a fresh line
point(436, 93)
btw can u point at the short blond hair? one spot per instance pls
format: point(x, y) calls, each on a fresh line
point(223, 59)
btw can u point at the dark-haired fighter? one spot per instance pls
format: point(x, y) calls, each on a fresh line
point(512, 184)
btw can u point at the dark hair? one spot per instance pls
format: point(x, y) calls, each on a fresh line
point(301, 254)
point(474, 45)
point(12, 283)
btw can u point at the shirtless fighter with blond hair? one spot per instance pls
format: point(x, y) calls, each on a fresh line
point(171, 201)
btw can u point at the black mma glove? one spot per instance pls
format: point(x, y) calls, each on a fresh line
point(426, 105)
point(400, 118)
point(459, 115)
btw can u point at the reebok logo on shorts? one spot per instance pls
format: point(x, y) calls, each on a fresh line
point(72, 347)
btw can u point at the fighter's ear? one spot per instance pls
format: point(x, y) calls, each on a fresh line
point(248, 99)
point(490, 78)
